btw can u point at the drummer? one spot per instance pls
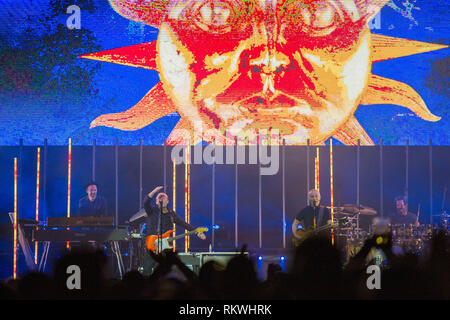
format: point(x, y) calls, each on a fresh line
point(402, 216)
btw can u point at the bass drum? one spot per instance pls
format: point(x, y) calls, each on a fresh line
point(411, 238)
point(424, 232)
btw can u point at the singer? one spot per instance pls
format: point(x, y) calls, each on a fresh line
point(168, 217)
point(312, 216)
point(159, 220)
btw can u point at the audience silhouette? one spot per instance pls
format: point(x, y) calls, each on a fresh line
point(316, 270)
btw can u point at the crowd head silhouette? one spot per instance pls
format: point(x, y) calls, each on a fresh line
point(316, 270)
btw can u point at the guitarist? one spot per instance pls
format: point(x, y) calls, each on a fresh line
point(311, 217)
point(168, 216)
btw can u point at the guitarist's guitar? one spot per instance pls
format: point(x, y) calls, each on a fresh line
point(302, 235)
point(153, 243)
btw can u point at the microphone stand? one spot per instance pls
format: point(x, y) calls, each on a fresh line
point(160, 227)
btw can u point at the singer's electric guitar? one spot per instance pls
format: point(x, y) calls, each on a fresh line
point(302, 235)
point(153, 243)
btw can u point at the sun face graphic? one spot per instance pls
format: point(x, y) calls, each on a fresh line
point(301, 68)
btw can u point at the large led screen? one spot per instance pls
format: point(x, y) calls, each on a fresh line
point(209, 70)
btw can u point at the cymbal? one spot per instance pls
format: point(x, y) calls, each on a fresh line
point(342, 213)
point(364, 210)
point(141, 213)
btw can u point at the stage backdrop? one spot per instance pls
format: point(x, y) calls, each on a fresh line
point(129, 69)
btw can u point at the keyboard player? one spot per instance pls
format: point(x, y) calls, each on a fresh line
point(92, 205)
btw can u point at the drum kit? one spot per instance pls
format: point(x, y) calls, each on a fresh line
point(350, 235)
point(410, 238)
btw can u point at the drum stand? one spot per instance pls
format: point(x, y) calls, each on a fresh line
point(116, 251)
point(353, 235)
point(357, 222)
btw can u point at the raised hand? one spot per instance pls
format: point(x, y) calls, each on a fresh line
point(201, 235)
point(151, 194)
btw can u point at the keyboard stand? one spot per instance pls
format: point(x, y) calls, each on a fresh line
point(24, 245)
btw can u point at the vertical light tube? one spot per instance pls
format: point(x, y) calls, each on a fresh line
point(38, 176)
point(308, 184)
point(15, 221)
point(189, 192)
point(259, 195)
point(259, 205)
point(174, 197)
point(317, 170)
point(44, 178)
point(331, 190)
point(284, 192)
point(213, 196)
point(19, 177)
point(69, 177)
point(236, 212)
point(186, 196)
